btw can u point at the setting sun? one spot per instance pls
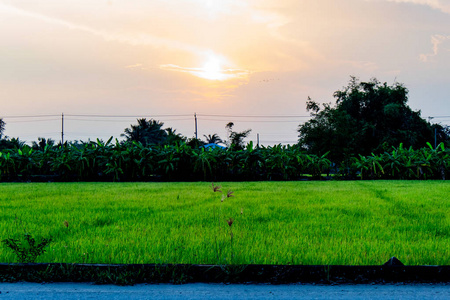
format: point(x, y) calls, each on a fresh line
point(212, 69)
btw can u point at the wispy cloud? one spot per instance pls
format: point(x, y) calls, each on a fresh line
point(436, 41)
point(133, 66)
point(134, 39)
point(442, 5)
point(220, 75)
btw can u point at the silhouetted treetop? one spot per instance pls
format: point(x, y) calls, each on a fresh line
point(147, 132)
point(367, 117)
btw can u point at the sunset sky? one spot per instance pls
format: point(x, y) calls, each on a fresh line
point(226, 60)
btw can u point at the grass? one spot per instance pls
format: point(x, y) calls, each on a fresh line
point(336, 223)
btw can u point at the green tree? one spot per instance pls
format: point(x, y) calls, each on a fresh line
point(173, 137)
point(42, 143)
point(147, 132)
point(236, 139)
point(367, 117)
point(11, 143)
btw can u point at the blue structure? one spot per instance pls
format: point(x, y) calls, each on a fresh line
point(213, 146)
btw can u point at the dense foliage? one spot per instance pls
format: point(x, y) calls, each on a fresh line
point(150, 132)
point(369, 117)
point(133, 161)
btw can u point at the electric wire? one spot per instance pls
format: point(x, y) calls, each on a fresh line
point(28, 116)
point(252, 121)
point(127, 116)
point(253, 116)
point(32, 121)
point(122, 121)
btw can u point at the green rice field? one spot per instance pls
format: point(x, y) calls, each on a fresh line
point(302, 223)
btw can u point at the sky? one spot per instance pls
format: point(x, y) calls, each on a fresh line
point(105, 63)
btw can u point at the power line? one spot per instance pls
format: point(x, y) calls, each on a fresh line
point(29, 116)
point(33, 121)
point(125, 116)
point(124, 121)
point(253, 116)
point(252, 121)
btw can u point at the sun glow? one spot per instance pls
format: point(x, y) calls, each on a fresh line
point(213, 68)
point(213, 8)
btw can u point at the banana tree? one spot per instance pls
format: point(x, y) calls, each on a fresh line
point(439, 160)
point(280, 163)
point(202, 160)
point(25, 164)
point(7, 166)
point(370, 166)
point(393, 164)
point(62, 163)
point(117, 162)
point(253, 163)
point(168, 162)
point(143, 160)
point(316, 165)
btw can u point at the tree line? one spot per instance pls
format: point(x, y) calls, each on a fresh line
point(370, 132)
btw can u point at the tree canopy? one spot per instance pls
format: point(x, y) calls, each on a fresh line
point(367, 117)
point(236, 139)
point(147, 132)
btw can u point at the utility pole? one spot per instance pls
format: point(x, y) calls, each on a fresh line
point(435, 132)
point(435, 137)
point(196, 133)
point(62, 129)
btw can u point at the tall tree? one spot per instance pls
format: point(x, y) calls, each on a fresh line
point(367, 117)
point(147, 132)
point(236, 139)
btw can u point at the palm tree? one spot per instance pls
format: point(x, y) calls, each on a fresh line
point(213, 139)
point(173, 137)
point(147, 132)
point(236, 139)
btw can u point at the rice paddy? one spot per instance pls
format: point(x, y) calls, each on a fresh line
point(304, 223)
